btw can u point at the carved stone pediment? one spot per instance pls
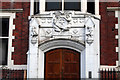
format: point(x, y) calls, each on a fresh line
point(66, 24)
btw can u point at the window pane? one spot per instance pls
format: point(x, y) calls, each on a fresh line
point(53, 5)
point(91, 6)
point(36, 6)
point(3, 51)
point(70, 5)
point(4, 26)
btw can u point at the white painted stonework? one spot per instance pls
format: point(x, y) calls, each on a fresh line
point(64, 29)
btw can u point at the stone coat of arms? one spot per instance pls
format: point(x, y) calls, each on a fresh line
point(61, 21)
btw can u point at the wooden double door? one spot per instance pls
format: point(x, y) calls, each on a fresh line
point(62, 64)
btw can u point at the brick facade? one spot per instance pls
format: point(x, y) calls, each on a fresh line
point(21, 32)
point(107, 32)
point(108, 43)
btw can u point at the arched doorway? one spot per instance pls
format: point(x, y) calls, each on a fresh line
point(62, 63)
point(60, 44)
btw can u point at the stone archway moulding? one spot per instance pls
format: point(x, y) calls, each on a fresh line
point(51, 44)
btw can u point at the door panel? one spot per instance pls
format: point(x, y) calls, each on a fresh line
point(62, 63)
point(53, 64)
point(70, 64)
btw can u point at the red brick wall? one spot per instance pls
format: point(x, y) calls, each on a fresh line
point(7, 74)
point(20, 43)
point(107, 34)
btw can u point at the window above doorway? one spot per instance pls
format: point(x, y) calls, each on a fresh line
point(85, 6)
point(63, 5)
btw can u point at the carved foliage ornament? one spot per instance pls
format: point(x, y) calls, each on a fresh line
point(61, 21)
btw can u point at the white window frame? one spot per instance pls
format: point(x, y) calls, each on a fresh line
point(5, 37)
point(10, 62)
point(10, 37)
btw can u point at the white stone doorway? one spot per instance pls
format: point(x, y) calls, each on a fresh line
point(60, 43)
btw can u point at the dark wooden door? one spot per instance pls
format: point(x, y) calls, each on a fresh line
point(62, 64)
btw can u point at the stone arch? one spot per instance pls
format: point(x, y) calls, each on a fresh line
point(59, 43)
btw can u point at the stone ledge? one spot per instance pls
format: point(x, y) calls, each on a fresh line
point(113, 8)
point(11, 10)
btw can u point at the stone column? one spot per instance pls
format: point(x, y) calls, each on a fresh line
point(33, 50)
point(92, 47)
